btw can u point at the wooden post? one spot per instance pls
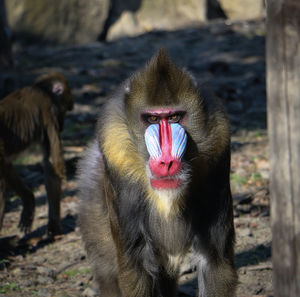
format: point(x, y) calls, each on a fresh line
point(283, 88)
point(7, 73)
point(6, 61)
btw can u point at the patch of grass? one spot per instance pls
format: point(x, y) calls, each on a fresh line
point(4, 261)
point(86, 271)
point(51, 260)
point(259, 133)
point(8, 287)
point(22, 160)
point(71, 273)
point(30, 156)
point(239, 179)
point(75, 272)
point(256, 176)
point(14, 197)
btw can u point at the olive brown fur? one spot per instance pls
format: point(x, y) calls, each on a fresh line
point(35, 115)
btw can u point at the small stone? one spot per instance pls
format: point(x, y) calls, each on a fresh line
point(43, 292)
point(245, 209)
point(39, 260)
point(253, 225)
point(17, 271)
point(243, 270)
point(28, 283)
point(89, 292)
point(245, 232)
point(19, 258)
point(30, 267)
point(265, 174)
point(43, 280)
point(46, 271)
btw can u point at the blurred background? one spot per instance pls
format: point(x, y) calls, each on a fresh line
point(75, 21)
point(97, 44)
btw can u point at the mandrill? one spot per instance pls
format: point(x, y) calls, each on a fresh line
point(29, 115)
point(154, 185)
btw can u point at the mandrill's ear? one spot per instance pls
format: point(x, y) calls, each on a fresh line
point(127, 87)
point(57, 88)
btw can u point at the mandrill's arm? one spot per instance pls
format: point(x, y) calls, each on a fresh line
point(52, 147)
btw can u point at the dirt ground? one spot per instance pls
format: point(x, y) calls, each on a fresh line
point(229, 57)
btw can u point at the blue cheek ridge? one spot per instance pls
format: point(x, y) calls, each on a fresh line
point(179, 140)
point(152, 141)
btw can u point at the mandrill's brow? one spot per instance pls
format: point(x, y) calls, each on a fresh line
point(162, 113)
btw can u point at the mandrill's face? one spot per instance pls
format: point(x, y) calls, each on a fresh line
point(166, 142)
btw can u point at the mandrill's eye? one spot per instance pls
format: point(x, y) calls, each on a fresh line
point(153, 119)
point(175, 118)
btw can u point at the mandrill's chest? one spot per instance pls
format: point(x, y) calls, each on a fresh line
point(170, 234)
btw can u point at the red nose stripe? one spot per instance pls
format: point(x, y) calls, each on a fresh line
point(166, 164)
point(165, 135)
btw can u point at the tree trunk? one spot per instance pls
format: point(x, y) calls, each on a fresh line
point(283, 88)
point(6, 61)
point(7, 74)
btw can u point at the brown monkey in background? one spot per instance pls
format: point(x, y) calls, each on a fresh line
point(35, 114)
point(155, 184)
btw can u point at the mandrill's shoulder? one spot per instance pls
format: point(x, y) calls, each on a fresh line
point(90, 169)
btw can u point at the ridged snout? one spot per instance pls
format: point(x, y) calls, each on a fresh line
point(166, 144)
